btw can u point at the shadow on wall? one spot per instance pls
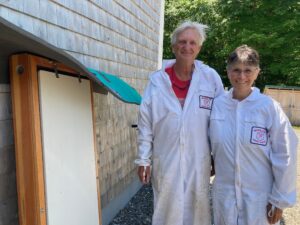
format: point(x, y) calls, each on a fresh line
point(8, 190)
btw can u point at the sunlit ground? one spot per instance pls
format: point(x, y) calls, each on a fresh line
point(296, 127)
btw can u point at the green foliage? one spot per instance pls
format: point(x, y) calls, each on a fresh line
point(177, 11)
point(270, 26)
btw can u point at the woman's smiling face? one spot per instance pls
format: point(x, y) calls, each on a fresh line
point(242, 76)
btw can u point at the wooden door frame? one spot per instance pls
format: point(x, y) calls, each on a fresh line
point(28, 137)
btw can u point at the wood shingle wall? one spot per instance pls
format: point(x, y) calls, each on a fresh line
point(8, 195)
point(121, 37)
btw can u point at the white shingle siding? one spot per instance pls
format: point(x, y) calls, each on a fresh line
point(123, 31)
point(121, 37)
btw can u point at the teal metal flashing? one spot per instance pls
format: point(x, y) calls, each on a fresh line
point(117, 87)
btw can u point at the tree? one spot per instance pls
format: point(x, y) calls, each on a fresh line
point(270, 26)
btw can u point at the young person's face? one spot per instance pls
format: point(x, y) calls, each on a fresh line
point(242, 76)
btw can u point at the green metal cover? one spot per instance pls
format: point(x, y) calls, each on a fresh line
point(118, 87)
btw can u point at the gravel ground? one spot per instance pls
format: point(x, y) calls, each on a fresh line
point(140, 208)
point(138, 211)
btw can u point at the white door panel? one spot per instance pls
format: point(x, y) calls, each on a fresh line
point(68, 150)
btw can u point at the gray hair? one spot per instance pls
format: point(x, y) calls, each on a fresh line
point(199, 27)
point(243, 54)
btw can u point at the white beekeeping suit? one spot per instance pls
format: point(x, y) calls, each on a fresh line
point(177, 140)
point(254, 149)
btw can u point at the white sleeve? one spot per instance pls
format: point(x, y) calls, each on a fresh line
point(283, 159)
point(145, 136)
point(219, 85)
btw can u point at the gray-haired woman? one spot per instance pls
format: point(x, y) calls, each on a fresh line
point(254, 149)
point(173, 137)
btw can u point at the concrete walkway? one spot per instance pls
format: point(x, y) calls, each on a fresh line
point(292, 216)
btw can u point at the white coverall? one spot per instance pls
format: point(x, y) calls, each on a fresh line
point(254, 149)
point(177, 140)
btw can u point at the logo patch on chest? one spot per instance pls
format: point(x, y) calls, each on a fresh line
point(205, 102)
point(259, 136)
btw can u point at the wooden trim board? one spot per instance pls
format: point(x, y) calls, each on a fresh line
point(28, 137)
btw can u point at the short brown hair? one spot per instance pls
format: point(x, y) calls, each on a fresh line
point(243, 54)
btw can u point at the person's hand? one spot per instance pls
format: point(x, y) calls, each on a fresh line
point(144, 175)
point(273, 215)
